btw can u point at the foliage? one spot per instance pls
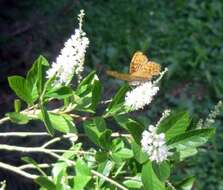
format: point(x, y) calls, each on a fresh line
point(185, 35)
point(111, 162)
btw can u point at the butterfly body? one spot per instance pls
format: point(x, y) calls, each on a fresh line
point(141, 70)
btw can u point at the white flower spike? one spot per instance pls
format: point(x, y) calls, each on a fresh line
point(141, 96)
point(154, 144)
point(71, 58)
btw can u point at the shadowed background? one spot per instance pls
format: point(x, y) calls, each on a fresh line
point(184, 35)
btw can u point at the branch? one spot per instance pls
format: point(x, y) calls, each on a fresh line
point(23, 134)
point(170, 185)
point(71, 136)
point(40, 149)
point(4, 119)
point(17, 170)
point(31, 166)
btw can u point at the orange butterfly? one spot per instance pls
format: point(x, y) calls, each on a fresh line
point(141, 69)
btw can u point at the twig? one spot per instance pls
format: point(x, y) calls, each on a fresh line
point(54, 140)
point(170, 185)
point(31, 166)
point(4, 119)
point(23, 134)
point(106, 101)
point(39, 149)
point(17, 170)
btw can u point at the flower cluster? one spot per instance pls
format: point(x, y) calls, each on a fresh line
point(154, 144)
point(141, 96)
point(71, 58)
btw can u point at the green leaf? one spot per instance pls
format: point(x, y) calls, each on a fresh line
point(191, 139)
point(101, 156)
point(96, 93)
point(83, 175)
point(124, 153)
point(119, 97)
point(149, 179)
point(62, 123)
point(133, 127)
point(105, 139)
point(116, 107)
point(162, 170)
point(18, 85)
point(185, 153)
point(87, 80)
point(81, 168)
point(186, 184)
point(29, 160)
point(58, 171)
point(88, 93)
point(139, 155)
point(18, 118)
point(45, 182)
point(133, 184)
point(60, 93)
point(105, 169)
point(97, 132)
point(35, 76)
point(47, 122)
point(175, 124)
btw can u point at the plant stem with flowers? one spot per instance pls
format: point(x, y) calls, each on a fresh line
point(98, 157)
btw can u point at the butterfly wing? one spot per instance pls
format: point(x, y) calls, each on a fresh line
point(138, 60)
point(148, 71)
point(151, 68)
point(125, 77)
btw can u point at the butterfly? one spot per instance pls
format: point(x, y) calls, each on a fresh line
point(141, 70)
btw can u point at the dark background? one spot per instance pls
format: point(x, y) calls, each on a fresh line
point(184, 35)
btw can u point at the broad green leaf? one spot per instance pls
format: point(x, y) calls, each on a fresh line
point(124, 153)
point(81, 168)
point(45, 182)
point(117, 104)
point(105, 139)
point(149, 179)
point(60, 93)
point(88, 93)
point(162, 170)
point(34, 78)
point(175, 124)
point(96, 131)
point(101, 156)
point(191, 139)
point(46, 119)
point(139, 155)
point(186, 184)
point(87, 80)
point(133, 127)
point(18, 118)
point(18, 85)
point(58, 171)
point(83, 175)
point(133, 184)
point(61, 123)
point(80, 182)
point(185, 153)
